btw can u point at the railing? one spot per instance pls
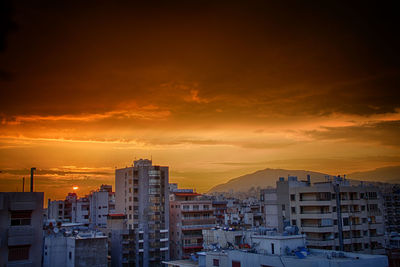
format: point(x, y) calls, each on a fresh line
point(198, 222)
point(315, 225)
point(320, 239)
point(315, 212)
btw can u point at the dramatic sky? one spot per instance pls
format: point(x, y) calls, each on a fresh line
point(212, 89)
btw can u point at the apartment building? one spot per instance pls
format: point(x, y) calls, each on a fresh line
point(333, 214)
point(91, 209)
point(220, 207)
point(189, 215)
point(102, 203)
point(21, 228)
point(141, 193)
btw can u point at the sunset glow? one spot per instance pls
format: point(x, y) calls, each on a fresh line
point(212, 92)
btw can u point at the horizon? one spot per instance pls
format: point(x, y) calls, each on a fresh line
point(212, 90)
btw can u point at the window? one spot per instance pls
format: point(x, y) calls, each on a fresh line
point(293, 197)
point(333, 209)
point(272, 248)
point(294, 210)
point(20, 218)
point(294, 222)
point(70, 255)
point(215, 262)
point(283, 207)
point(345, 221)
point(235, 263)
point(17, 253)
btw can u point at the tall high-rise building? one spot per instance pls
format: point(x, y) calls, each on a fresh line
point(141, 192)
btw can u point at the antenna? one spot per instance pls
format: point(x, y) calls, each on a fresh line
point(32, 172)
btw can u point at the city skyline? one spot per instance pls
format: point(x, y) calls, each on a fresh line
point(212, 90)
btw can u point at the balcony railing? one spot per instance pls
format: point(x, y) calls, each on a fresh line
point(315, 212)
point(315, 225)
point(198, 222)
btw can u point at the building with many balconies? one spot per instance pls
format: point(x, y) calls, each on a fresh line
point(141, 193)
point(333, 214)
point(189, 215)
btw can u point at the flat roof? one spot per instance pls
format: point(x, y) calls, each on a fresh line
point(183, 263)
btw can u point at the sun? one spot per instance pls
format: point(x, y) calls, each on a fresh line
point(75, 187)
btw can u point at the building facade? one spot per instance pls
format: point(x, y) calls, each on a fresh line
point(189, 215)
point(21, 229)
point(332, 214)
point(141, 193)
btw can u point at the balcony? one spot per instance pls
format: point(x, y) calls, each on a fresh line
point(198, 221)
point(198, 227)
point(20, 235)
point(192, 236)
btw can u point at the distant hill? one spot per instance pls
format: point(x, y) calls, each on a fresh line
point(264, 178)
point(268, 177)
point(387, 174)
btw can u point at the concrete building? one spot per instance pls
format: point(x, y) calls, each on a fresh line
point(141, 192)
point(102, 203)
point(270, 249)
point(332, 214)
point(220, 207)
point(189, 215)
point(21, 229)
point(120, 239)
point(92, 209)
point(74, 248)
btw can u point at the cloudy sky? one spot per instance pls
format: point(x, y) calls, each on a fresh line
point(213, 89)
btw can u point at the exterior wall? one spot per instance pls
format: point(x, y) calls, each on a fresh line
point(28, 234)
point(74, 251)
point(55, 251)
point(99, 208)
point(95, 247)
point(83, 210)
point(279, 244)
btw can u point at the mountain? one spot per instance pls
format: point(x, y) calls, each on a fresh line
point(386, 174)
point(264, 178)
point(268, 177)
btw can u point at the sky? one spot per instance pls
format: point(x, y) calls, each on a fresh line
point(212, 89)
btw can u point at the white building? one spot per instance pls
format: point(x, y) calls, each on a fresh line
point(268, 250)
point(332, 214)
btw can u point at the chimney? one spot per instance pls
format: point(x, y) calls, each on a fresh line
point(32, 171)
point(308, 179)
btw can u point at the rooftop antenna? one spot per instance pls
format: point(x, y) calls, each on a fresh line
point(32, 172)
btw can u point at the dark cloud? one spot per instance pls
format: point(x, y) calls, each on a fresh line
point(246, 58)
point(384, 132)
